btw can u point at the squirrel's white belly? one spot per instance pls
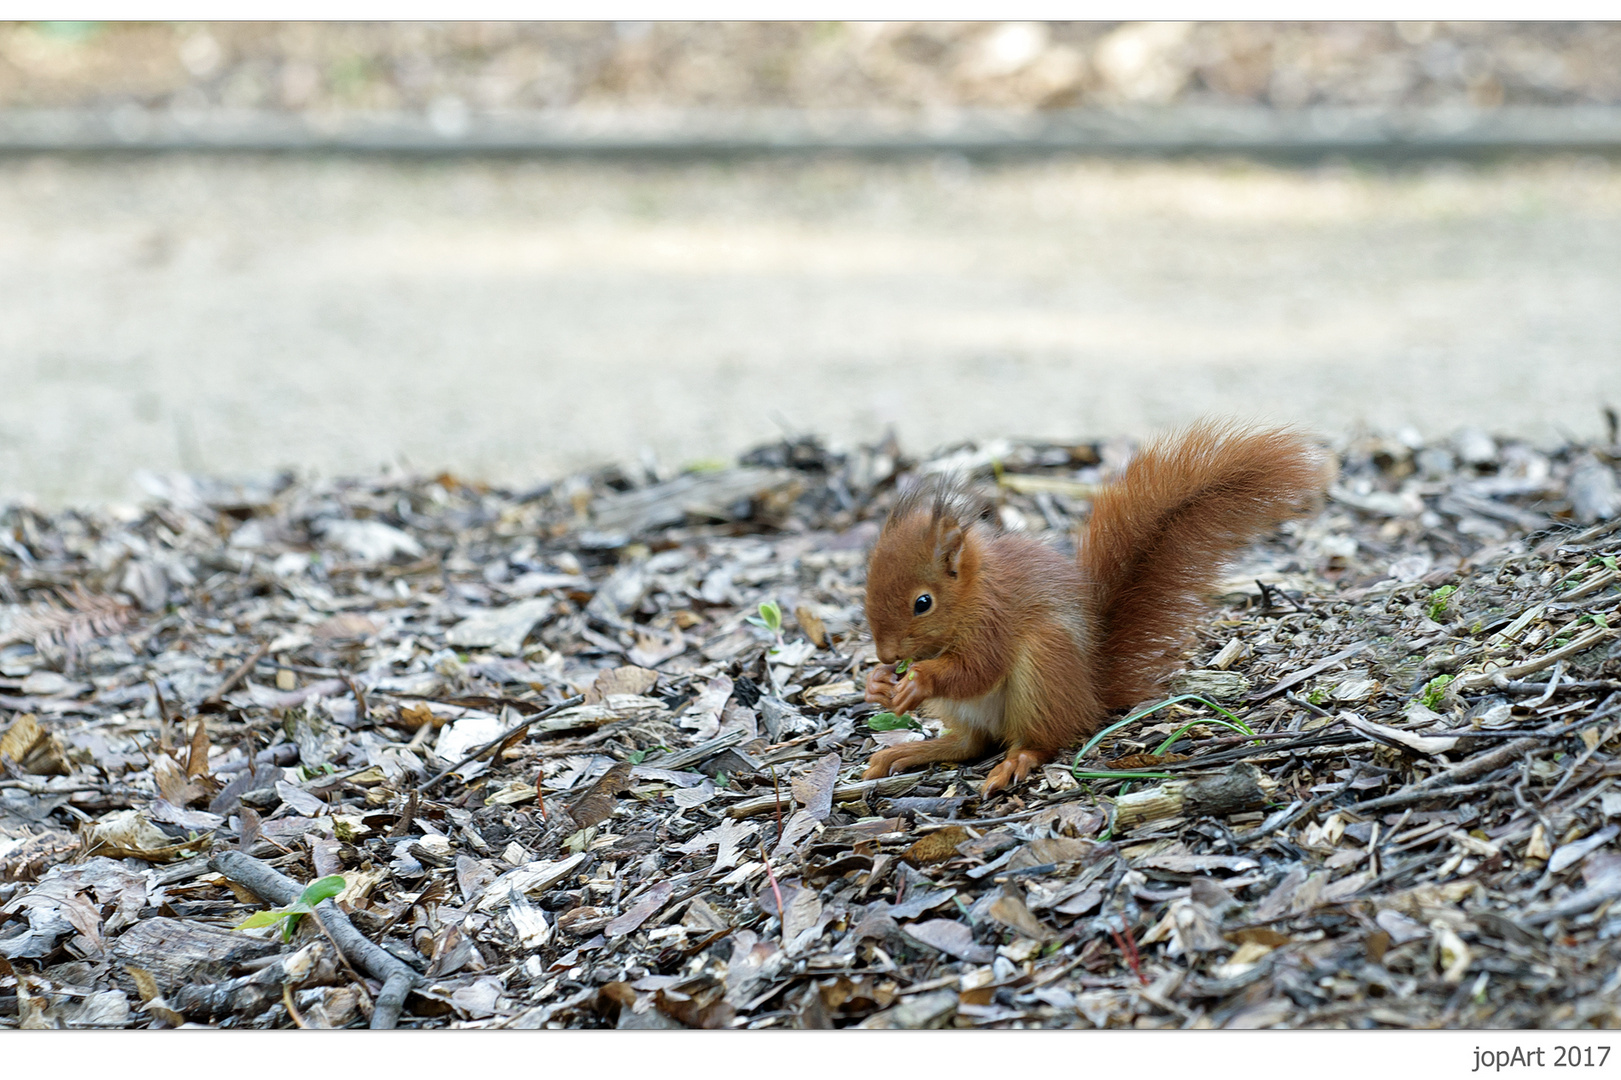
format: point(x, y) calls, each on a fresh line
point(983, 713)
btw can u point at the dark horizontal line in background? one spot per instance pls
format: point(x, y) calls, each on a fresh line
point(1405, 133)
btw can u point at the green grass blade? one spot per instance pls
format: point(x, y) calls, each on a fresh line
point(1235, 724)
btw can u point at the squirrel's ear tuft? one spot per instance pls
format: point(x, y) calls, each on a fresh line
point(948, 541)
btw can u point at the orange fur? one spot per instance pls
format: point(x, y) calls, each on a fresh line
point(1024, 650)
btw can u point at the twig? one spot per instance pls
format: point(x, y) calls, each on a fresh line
point(263, 881)
point(1319, 739)
point(163, 706)
point(569, 703)
point(946, 823)
point(1402, 798)
point(1128, 949)
point(1578, 763)
point(1482, 679)
point(287, 1003)
point(1553, 684)
point(1301, 676)
point(235, 677)
point(347, 966)
point(362, 710)
point(1500, 733)
point(1567, 686)
point(1294, 699)
point(1290, 819)
point(1480, 764)
point(782, 914)
point(1269, 591)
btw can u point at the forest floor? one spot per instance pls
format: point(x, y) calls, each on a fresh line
point(589, 755)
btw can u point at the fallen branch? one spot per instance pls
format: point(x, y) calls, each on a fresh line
point(1306, 673)
point(1446, 782)
point(1482, 679)
point(233, 678)
point(1240, 788)
point(252, 994)
point(269, 884)
point(569, 703)
point(1290, 818)
point(888, 786)
point(1402, 798)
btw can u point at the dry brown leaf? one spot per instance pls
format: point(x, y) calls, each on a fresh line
point(645, 908)
point(344, 626)
point(812, 624)
point(597, 805)
point(814, 790)
point(130, 834)
point(32, 748)
point(950, 937)
point(937, 846)
point(85, 617)
point(197, 756)
point(173, 783)
point(621, 680)
point(419, 715)
point(1010, 910)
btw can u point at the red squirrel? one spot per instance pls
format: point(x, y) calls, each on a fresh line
point(1016, 647)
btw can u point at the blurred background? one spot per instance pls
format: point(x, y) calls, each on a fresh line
point(512, 250)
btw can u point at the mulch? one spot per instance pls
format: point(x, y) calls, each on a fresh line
point(571, 775)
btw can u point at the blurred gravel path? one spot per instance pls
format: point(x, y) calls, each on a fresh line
point(509, 320)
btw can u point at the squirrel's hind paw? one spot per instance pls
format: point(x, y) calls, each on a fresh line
point(1014, 769)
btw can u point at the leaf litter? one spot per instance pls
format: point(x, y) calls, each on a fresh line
point(589, 756)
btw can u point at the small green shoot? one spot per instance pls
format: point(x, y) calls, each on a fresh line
point(888, 721)
point(326, 768)
point(1318, 695)
point(1438, 602)
point(637, 756)
point(1434, 691)
point(770, 619)
point(901, 666)
point(1598, 619)
point(323, 889)
point(1611, 561)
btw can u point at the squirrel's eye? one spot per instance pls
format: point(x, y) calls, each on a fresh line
point(922, 604)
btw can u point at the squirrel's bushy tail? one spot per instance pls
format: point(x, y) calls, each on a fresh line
point(1160, 536)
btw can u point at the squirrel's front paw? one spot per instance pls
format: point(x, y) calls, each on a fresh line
point(913, 689)
point(881, 685)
